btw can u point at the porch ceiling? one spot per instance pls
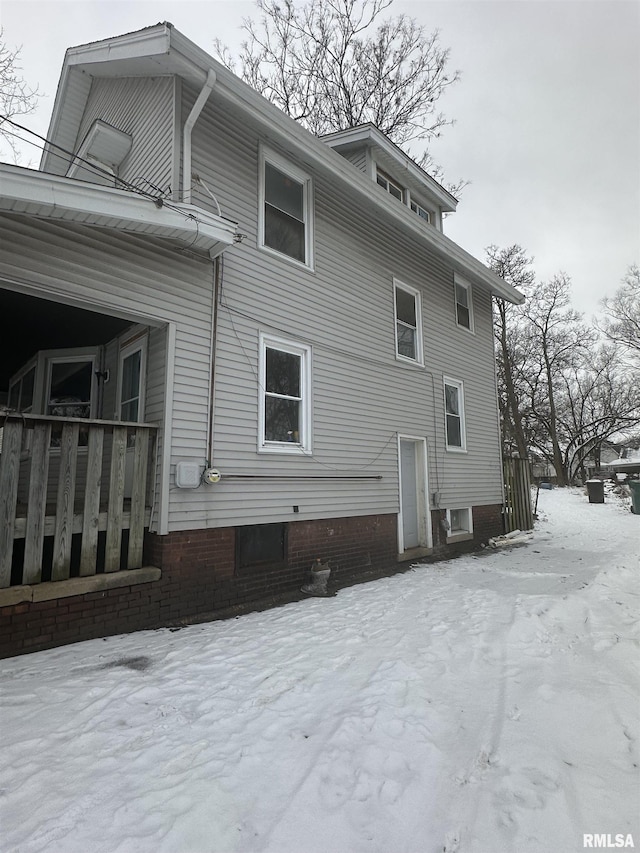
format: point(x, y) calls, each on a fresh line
point(41, 324)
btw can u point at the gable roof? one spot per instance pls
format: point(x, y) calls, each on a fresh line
point(163, 50)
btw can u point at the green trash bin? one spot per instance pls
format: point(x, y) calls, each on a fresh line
point(595, 490)
point(634, 485)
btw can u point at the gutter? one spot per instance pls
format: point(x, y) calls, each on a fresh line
point(196, 109)
point(24, 191)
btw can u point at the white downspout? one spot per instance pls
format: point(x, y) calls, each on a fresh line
point(196, 109)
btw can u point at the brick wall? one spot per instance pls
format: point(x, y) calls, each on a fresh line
point(487, 522)
point(199, 579)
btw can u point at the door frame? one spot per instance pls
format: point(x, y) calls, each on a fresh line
point(425, 539)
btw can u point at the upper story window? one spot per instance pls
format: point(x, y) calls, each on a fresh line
point(397, 191)
point(464, 304)
point(389, 185)
point(285, 396)
point(420, 211)
point(454, 415)
point(286, 205)
point(408, 312)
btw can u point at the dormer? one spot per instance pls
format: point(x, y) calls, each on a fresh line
point(394, 172)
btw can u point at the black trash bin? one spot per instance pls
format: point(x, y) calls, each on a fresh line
point(595, 490)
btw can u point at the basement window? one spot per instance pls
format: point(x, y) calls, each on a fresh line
point(460, 522)
point(260, 546)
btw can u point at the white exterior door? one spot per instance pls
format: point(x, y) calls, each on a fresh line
point(415, 528)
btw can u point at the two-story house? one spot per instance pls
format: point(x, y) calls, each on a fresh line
point(236, 349)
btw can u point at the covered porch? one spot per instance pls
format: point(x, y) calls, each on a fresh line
point(77, 455)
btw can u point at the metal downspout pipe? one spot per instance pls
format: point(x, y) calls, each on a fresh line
point(196, 109)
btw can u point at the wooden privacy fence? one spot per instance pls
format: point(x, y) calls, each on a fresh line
point(517, 489)
point(63, 483)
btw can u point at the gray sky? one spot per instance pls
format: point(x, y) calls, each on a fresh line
point(547, 114)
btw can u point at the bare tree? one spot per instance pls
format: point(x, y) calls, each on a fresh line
point(334, 64)
point(513, 265)
point(562, 392)
point(599, 402)
point(558, 338)
point(17, 98)
point(622, 320)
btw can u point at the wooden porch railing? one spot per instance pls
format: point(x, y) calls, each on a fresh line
point(66, 477)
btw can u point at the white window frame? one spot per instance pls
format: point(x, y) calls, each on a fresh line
point(127, 349)
point(17, 380)
point(388, 183)
point(71, 357)
point(400, 285)
point(266, 155)
point(418, 209)
point(459, 282)
point(467, 532)
point(459, 386)
point(303, 445)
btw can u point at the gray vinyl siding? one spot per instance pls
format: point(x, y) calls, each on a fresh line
point(362, 396)
point(142, 108)
point(357, 156)
point(135, 278)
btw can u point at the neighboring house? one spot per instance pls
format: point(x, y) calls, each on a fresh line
point(236, 349)
point(627, 464)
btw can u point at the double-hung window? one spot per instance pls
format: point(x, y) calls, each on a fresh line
point(131, 383)
point(454, 415)
point(464, 305)
point(286, 205)
point(285, 396)
point(408, 326)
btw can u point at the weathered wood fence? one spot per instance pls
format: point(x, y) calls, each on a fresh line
point(66, 477)
point(517, 489)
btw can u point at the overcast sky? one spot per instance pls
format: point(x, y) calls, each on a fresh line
point(547, 114)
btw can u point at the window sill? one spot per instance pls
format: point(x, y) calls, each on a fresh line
point(287, 450)
point(287, 259)
point(456, 449)
point(77, 586)
point(459, 537)
point(410, 362)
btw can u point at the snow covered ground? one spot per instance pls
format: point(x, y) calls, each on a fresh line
point(487, 704)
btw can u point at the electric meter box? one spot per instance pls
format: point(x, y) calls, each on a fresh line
point(187, 475)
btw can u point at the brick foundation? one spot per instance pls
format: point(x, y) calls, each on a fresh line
point(199, 579)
